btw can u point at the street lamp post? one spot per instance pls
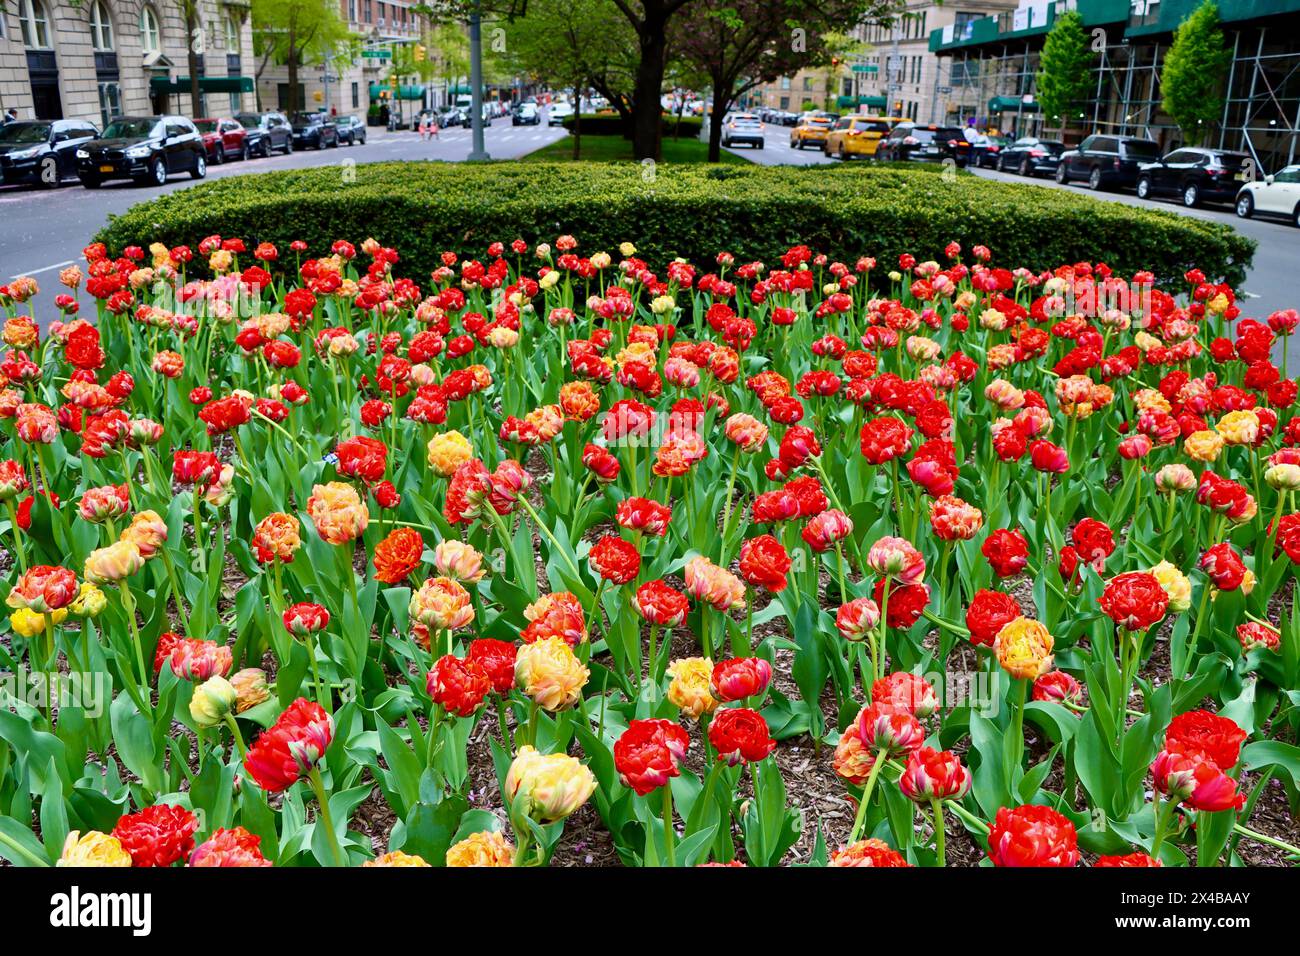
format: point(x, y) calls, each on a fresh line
point(477, 149)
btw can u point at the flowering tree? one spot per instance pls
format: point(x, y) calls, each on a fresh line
point(740, 45)
point(294, 33)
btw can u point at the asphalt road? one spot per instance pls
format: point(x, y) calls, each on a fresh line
point(45, 230)
point(1270, 284)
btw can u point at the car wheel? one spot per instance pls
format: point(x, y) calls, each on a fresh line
point(1024, 168)
point(288, 146)
point(245, 153)
point(200, 167)
point(1295, 217)
point(1245, 206)
point(1062, 177)
point(158, 171)
point(219, 155)
point(844, 153)
point(1001, 165)
point(1144, 188)
point(1191, 195)
point(1094, 179)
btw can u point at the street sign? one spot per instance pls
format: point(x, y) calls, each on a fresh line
point(376, 54)
point(865, 68)
point(328, 78)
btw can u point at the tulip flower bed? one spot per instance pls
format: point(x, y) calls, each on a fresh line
point(555, 554)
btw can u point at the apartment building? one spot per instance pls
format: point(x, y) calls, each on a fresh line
point(352, 83)
point(996, 61)
point(96, 59)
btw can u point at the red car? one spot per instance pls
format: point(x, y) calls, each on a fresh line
point(223, 138)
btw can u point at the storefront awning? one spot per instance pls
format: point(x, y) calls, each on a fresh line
point(207, 84)
point(1012, 104)
point(398, 93)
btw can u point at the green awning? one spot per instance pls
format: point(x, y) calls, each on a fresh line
point(207, 84)
point(1012, 104)
point(402, 93)
point(871, 102)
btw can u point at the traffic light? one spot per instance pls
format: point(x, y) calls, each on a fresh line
point(419, 53)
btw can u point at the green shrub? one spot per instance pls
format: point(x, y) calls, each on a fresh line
point(692, 211)
point(611, 124)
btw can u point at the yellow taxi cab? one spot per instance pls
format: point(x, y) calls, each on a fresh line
point(811, 131)
point(858, 135)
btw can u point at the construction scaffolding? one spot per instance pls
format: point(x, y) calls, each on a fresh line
point(1261, 114)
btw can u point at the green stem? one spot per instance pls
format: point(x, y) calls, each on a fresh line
point(238, 737)
point(936, 807)
point(669, 836)
point(322, 801)
point(876, 765)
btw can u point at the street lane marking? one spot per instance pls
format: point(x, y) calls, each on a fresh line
point(35, 272)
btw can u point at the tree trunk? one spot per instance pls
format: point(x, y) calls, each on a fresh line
point(719, 110)
point(646, 121)
point(577, 123)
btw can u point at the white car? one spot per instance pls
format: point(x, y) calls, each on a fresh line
point(1276, 195)
point(557, 113)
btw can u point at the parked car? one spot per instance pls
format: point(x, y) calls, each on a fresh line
point(267, 132)
point(1106, 161)
point(316, 130)
point(1194, 175)
point(910, 141)
point(742, 128)
point(858, 135)
point(526, 114)
point(42, 152)
point(811, 131)
point(984, 149)
point(557, 113)
point(351, 130)
point(453, 116)
point(1276, 195)
point(146, 149)
point(1030, 156)
point(224, 139)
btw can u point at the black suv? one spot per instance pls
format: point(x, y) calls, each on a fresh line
point(1030, 156)
point(1194, 175)
point(145, 148)
point(42, 152)
point(1106, 161)
point(315, 130)
point(266, 132)
point(909, 141)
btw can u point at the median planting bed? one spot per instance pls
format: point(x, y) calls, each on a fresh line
point(505, 546)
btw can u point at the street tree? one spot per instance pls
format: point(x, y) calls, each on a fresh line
point(1191, 82)
point(740, 44)
point(1065, 69)
point(296, 34)
point(565, 43)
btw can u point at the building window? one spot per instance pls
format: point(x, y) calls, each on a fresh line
point(807, 82)
point(785, 82)
point(352, 11)
point(150, 35)
point(36, 25)
point(356, 95)
point(232, 36)
point(101, 29)
point(110, 102)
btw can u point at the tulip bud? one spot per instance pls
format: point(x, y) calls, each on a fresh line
point(212, 701)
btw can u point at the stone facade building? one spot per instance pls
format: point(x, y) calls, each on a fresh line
point(96, 59)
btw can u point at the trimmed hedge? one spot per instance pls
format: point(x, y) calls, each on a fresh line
point(692, 211)
point(611, 124)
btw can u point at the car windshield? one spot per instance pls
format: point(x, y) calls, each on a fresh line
point(206, 126)
point(1141, 149)
point(921, 135)
point(305, 119)
point(249, 119)
point(25, 133)
point(128, 128)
